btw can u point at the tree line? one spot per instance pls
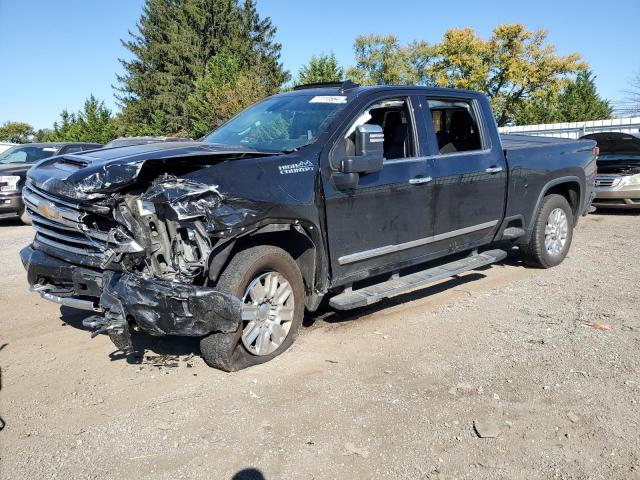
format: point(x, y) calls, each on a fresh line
point(196, 63)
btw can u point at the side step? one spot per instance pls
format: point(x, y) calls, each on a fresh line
point(366, 296)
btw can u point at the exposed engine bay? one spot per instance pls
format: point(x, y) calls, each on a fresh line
point(619, 168)
point(135, 247)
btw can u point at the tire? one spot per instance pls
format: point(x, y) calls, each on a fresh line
point(229, 351)
point(24, 218)
point(538, 253)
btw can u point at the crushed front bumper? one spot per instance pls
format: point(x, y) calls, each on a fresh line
point(119, 300)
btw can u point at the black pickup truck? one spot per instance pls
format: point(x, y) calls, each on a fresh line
point(334, 191)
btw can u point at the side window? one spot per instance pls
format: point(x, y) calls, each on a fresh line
point(395, 119)
point(455, 125)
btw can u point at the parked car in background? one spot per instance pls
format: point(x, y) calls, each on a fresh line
point(338, 191)
point(618, 180)
point(129, 141)
point(6, 146)
point(14, 164)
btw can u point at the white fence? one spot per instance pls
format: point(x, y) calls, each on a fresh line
point(577, 129)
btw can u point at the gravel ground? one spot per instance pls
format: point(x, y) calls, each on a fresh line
point(542, 363)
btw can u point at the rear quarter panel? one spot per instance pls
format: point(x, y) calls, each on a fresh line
point(536, 164)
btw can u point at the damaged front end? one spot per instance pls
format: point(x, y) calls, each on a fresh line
point(136, 258)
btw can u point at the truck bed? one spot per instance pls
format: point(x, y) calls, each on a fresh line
point(517, 142)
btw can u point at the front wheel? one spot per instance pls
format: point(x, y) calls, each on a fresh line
point(552, 233)
point(269, 283)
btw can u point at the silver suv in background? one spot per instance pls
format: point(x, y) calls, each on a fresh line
point(618, 180)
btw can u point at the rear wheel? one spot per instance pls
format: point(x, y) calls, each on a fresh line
point(269, 283)
point(552, 233)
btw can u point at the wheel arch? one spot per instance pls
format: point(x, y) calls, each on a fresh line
point(570, 187)
point(293, 238)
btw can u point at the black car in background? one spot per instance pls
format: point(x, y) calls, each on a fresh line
point(618, 180)
point(14, 164)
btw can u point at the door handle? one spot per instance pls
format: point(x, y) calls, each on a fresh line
point(493, 170)
point(420, 180)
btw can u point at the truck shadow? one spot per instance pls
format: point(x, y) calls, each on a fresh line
point(171, 348)
point(11, 222)
point(615, 212)
point(168, 347)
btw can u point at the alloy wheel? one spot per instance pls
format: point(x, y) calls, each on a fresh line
point(267, 313)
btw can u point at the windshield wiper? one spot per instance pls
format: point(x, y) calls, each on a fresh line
point(245, 148)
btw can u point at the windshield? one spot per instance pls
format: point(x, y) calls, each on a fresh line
point(280, 123)
point(27, 154)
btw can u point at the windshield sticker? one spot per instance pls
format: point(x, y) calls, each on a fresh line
point(300, 167)
point(49, 149)
point(329, 99)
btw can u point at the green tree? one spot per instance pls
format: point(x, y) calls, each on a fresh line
point(321, 68)
point(225, 89)
point(174, 43)
point(578, 101)
point(94, 123)
point(16, 132)
point(511, 67)
point(380, 60)
point(44, 135)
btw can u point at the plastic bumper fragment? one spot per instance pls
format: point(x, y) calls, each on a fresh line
point(158, 307)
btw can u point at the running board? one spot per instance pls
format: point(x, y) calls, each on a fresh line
point(366, 296)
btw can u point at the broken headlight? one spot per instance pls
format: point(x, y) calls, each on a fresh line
point(9, 183)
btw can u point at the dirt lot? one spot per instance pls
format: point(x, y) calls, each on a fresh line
point(391, 391)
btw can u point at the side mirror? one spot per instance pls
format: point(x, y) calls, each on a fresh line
point(369, 151)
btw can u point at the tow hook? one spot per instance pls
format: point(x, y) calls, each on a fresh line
point(113, 325)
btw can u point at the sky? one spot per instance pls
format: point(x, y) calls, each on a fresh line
point(55, 53)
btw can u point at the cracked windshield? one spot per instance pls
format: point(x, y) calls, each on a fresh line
point(280, 124)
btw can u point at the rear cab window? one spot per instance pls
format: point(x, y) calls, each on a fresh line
point(456, 125)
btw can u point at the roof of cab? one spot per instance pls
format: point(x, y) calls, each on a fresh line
point(351, 89)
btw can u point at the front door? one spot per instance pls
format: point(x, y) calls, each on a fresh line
point(377, 227)
point(469, 175)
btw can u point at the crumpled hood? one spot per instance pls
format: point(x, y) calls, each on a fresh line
point(97, 173)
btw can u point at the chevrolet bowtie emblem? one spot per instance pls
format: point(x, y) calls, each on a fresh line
point(47, 210)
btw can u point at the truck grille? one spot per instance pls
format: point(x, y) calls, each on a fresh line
point(59, 226)
point(604, 181)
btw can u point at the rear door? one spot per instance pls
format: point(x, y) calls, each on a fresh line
point(382, 223)
point(469, 173)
